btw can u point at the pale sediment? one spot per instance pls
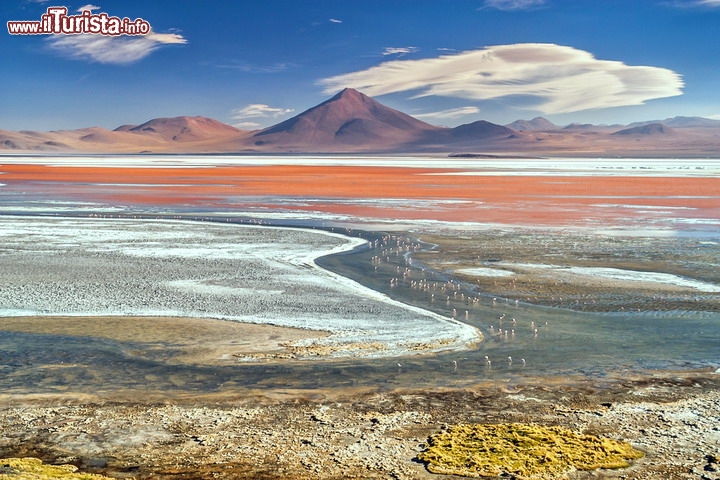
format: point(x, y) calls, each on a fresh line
point(96, 267)
point(176, 340)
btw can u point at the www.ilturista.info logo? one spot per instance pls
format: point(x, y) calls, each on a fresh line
point(57, 21)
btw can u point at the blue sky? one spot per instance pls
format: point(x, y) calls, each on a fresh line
point(447, 62)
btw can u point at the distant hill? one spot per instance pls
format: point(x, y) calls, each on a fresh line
point(349, 119)
point(649, 129)
point(98, 135)
point(182, 129)
point(681, 122)
point(58, 141)
point(481, 129)
point(537, 124)
point(194, 133)
point(351, 122)
point(580, 126)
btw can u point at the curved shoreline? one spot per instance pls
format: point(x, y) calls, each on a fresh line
point(364, 337)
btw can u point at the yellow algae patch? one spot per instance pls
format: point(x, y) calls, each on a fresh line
point(524, 451)
point(34, 469)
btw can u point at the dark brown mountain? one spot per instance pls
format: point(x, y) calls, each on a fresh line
point(347, 121)
point(481, 130)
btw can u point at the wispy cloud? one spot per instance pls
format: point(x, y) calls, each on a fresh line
point(693, 3)
point(399, 50)
point(545, 77)
point(335, 20)
point(514, 4)
point(253, 68)
point(451, 114)
point(247, 125)
point(89, 7)
point(260, 110)
point(122, 49)
point(244, 115)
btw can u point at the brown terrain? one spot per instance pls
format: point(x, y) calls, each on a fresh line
point(348, 121)
point(351, 122)
point(334, 435)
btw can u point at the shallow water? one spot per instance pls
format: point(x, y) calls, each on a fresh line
point(600, 193)
point(567, 346)
point(583, 346)
point(566, 342)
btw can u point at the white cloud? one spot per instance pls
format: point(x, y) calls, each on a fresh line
point(89, 7)
point(247, 125)
point(693, 3)
point(112, 49)
point(546, 77)
point(453, 113)
point(399, 50)
point(514, 4)
point(252, 68)
point(257, 111)
point(260, 110)
point(166, 38)
point(335, 20)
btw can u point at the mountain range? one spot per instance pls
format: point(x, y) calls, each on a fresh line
point(351, 122)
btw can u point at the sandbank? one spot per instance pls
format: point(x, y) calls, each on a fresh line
point(182, 340)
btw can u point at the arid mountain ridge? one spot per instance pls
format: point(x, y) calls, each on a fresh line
point(351, 122)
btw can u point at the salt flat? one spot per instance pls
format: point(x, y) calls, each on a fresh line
point(73, 266)
point(547, 166)
point(664, 279)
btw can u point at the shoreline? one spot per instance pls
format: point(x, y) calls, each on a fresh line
point(183, 340)
point(283, 369)
point(291, 262)
point(308, 348)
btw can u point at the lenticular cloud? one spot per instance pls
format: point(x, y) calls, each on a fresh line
point(556, 79)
